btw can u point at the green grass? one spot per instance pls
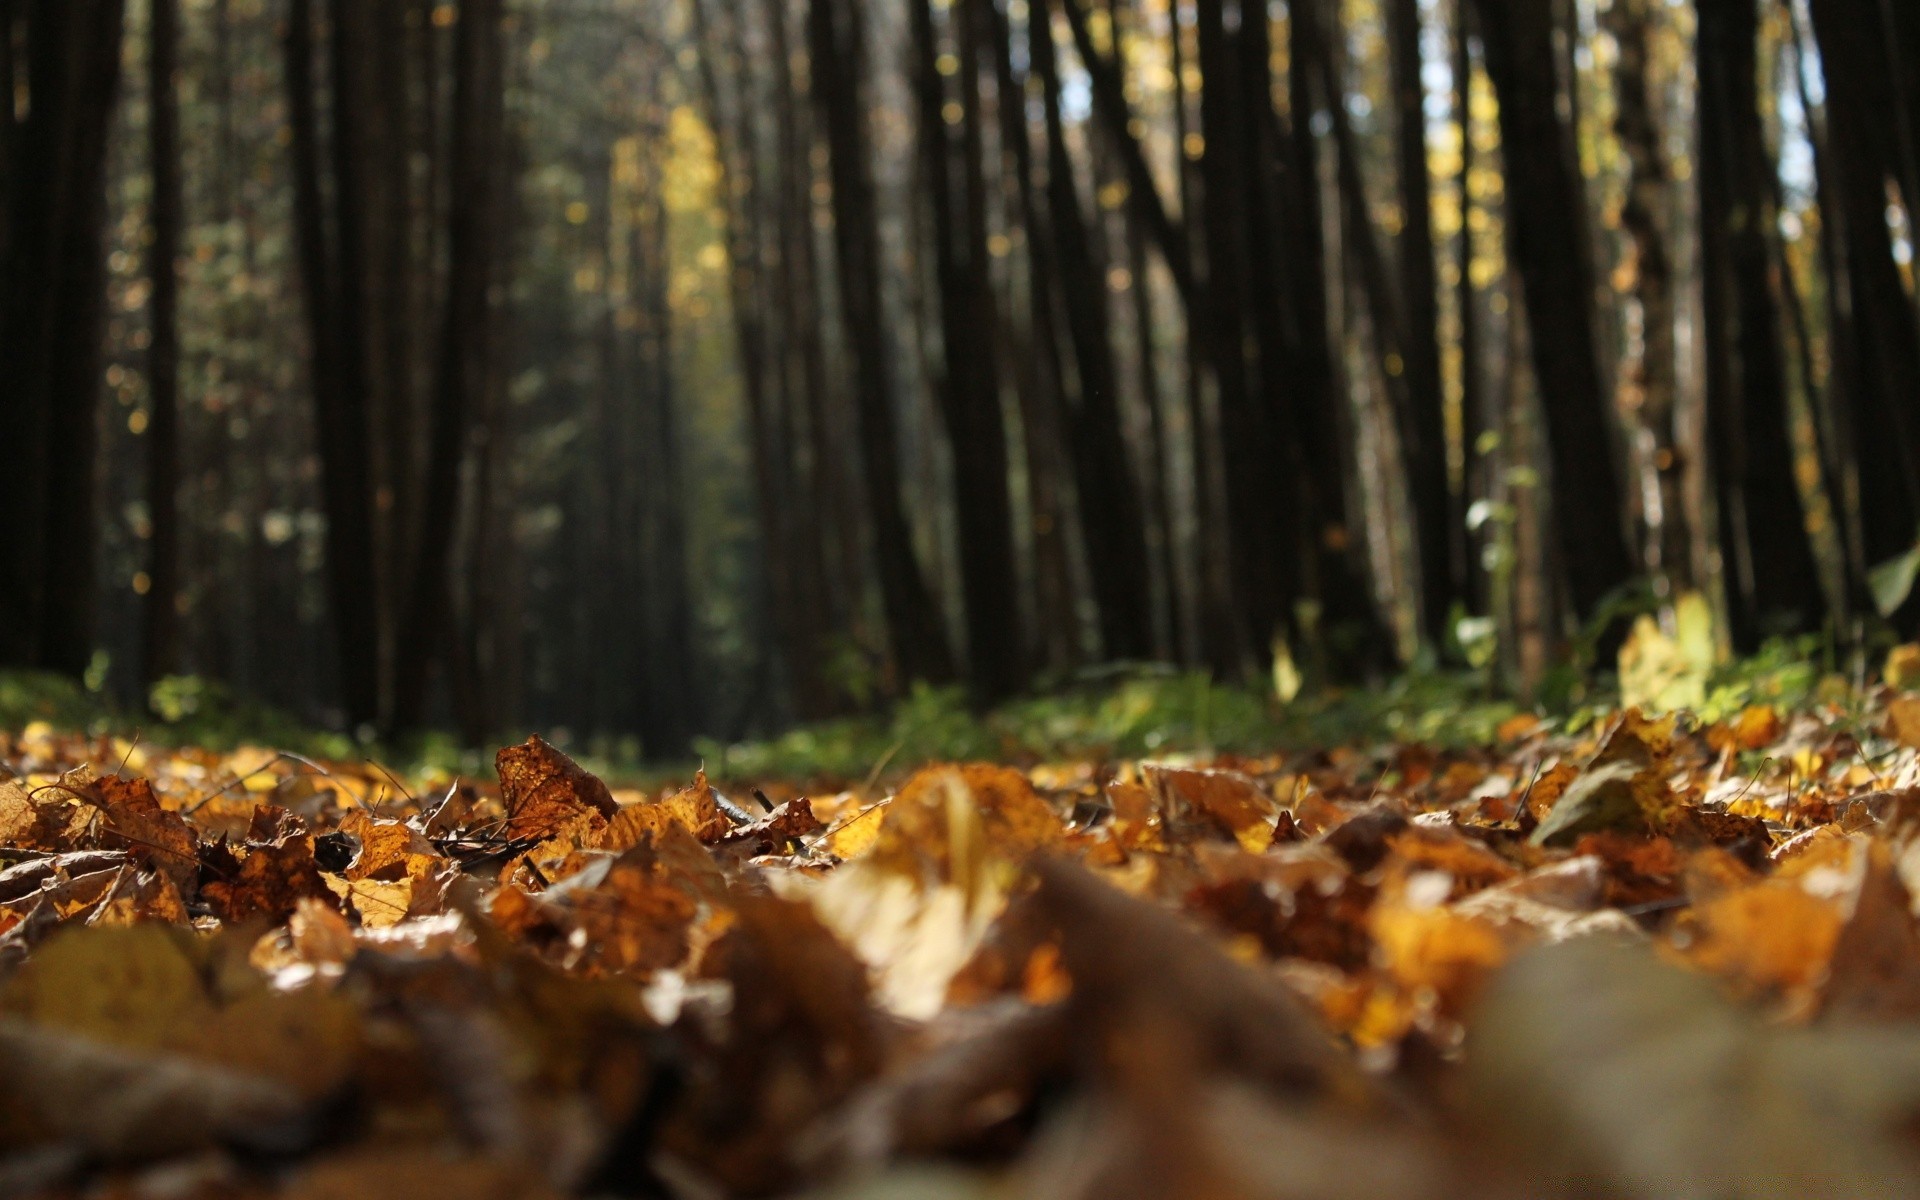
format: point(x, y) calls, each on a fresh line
point(1139, 713)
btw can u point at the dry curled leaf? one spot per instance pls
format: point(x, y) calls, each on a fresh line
point(547, 794)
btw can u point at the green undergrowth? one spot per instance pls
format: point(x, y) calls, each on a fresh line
point(1115, 715)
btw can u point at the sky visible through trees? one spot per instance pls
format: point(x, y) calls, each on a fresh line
point(655, 369)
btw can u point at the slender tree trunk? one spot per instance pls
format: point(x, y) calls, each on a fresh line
point(337, 369)
point(1221, 636)
point(52, 313)
point(1111, 516)
point(914, 628)
point(1772, 578)
point(161, 626)
point(970, 389)
point(1885, 350)
point(1110, 106)
point(1253, 502)
point(1342, 585)
point(1478, 419)
point(463, 360)
point(1650, 386)
point(1040, 370)
point(1439, 516)
point(1550, 248)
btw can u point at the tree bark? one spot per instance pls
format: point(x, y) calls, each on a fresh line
point(969, 389)
point(52, 315)
point(161, 624)
point(914, 629)
point(463, 358)
point(1440, 518)
point(1551, 250)
point(1111, 516)
point(1650, 386)
point(337, 367)
point(1772, 578)
point(1884, 353)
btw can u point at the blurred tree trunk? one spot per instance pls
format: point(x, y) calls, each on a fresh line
point(1253, 462)
point(835, 36)
point(161, 625)
point(969, 387)
point(781, 508)
point(1479, 422)
point(1884, 352)
point(1337, 535)
point(1040, 369)
point(1771, 575)
point(337, 365)
point(1223, 621)
point(1553, 255)
point(673, 711)
point(1650, 384)
point(403, 461)
point(1440, 518)
point(464, 359)
point(833, 540)
point(1111, 517)
point(52, 313)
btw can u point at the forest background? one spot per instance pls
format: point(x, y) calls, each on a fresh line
point(649, 370)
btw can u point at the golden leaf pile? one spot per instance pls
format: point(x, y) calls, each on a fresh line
point(1645, 960)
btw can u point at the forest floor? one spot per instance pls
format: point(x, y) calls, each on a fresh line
point(1408, 943)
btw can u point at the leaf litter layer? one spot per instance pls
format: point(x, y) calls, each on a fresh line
point(1654, 957)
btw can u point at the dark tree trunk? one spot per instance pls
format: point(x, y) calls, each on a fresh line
point(1040, 371)
point(463, 359)
point(1649, 383)
point(1440, 518)
point(914, 629)
point(51, 326)
point(1477, 416)
point(1883, 354)
point(161, 625)
point(1111, 515)
point(1221, 636)
point(1772, 579)
point(970, 388)
point(1254, 501)
point(1553, 254)
point(342, 421)
point(822, 538)
point(1110, 106)
point(1341, 583)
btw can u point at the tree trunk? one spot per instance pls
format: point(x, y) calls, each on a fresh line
point(1884, 355)
point(970, 388)
point(1772, 578)
point(1111, 516)
point(161, 625)
point(463, 361)
point(1649, 384)
point(914, 629)
point(337, 367)
point(1551, 250)
point(1039, 372)
point(52, 314)
point(1440, 518)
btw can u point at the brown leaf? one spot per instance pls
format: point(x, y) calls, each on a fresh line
point(1229, 801)
point(692, 809)
point(547, 793)
point(269, 882)
point(1243, 1023)
point(154, 836)
point(1875, 970)
point(1015, 820)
